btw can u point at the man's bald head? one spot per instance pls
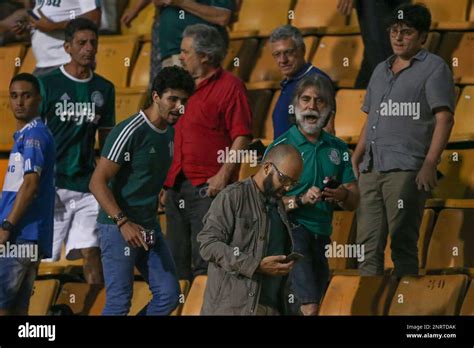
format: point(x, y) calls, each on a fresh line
point(280, 170)
point(282, 153)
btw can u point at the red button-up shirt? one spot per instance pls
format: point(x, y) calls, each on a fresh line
point(216, 114)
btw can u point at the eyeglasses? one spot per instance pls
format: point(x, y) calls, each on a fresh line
point(285, 180)
point(404, 32)
point(287, 53)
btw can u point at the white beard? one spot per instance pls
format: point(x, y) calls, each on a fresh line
point(311, 128)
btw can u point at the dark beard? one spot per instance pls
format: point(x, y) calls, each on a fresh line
point(269, 190)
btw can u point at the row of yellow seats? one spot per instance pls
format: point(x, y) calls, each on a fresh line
point(346, 295)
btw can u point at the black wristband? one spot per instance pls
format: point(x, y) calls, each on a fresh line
point(116, 219)
point(7, 226)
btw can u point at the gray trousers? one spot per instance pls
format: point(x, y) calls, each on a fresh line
point(389, 203)
point(185, 207)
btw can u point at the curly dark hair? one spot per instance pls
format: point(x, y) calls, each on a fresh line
point(416, 16)
point(173, 77)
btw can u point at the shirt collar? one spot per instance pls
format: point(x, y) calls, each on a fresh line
point(421, 55)
point(306, 68)
point(37, 118)
point(300, 139)
point(217, 74)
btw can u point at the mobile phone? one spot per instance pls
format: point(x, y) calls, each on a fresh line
point(293, 257)
point(332, 183)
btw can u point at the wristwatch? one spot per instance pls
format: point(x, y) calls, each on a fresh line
point(7, 226)
point(116, 219)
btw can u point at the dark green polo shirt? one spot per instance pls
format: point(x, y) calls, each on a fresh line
point(173, 21)
point(328, 157)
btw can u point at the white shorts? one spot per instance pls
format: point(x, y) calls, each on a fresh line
point(75, 223)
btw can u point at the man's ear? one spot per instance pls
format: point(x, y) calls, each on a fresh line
point(155, 97)
point(204, 59)
point(424, 38)
point(67, 47)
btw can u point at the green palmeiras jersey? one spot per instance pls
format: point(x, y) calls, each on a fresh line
point(144, 154)
point(74, 109)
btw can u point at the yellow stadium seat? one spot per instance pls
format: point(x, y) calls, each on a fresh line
point(426, 229)
point(43, 296)
point(163, 223)
point(50, 269)
point(3, 170)
point(463, 129)
point(259, 100)
point(240, 57)
point(452, 241)
point(456, 48)
point(246, 171)
point(468, 303)
point(78, 296)
point(10, 61)
point(128, 102)
point(184, 287)
point(141, 296)
point(457, 183)
point(143, 23)
point(340, 57)
point(115, 57)
point(141, 70)
point(267, 131)
point(321, 17)
point(356, 295)
point(343, 233)
point(99, 303)
point(261, 17)
point(349, 118)
point(429, 295)
point(8, 122)
point(432, 42)
point(266, 74)
point(448, 15)
point(195, 299)
point(28, 64)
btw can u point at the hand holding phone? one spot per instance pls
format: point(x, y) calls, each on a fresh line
point(293, 257)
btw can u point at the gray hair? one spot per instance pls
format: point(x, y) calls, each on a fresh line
point(208, 41)
point(324, 86)
point(288, 31)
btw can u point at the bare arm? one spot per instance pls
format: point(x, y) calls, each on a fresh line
point(46, 25)
point(26, 193)
point(130, 14)
point(221, 179)
point(104, 172)
point(214, 15)
point(359, 151)
point(426, 178)
point(23, 199)
point(103, 133)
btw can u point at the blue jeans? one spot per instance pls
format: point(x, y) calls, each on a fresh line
point(156, 266)
point(310, 275)
point(17, 276)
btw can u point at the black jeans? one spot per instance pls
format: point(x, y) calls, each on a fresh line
point(373, 17)
point(185, 208)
